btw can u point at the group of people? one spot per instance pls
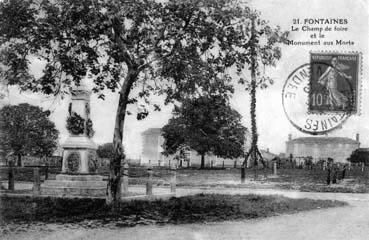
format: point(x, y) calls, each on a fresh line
point(335, 171)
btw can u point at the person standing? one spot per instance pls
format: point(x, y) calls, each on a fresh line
point(344, 171)
point(335, 170)
point(329, 169)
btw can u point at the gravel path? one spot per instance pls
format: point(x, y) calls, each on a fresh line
point(350, 222)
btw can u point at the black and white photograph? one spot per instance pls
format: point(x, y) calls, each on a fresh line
point(184, 119)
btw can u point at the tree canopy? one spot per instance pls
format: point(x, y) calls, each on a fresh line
point(178, 49)
point(207, 125)
point(163, 44)
point(28, 130)
point(359, 156)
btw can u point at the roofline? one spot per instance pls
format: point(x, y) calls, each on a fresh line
point(304, 139)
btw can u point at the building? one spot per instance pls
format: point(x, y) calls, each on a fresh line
point(152, 148)
point(321, 148)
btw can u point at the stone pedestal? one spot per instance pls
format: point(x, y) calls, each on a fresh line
point(79, 155)
point(75, 185)
point(78, 176)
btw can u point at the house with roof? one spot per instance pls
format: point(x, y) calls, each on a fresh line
point(322, 148)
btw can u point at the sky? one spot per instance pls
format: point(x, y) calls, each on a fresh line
point(273, 125)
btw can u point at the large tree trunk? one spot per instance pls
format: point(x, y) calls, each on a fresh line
point(114, 182)
point(202, 161)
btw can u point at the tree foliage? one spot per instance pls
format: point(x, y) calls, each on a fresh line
point(164, 44)
point(260, 48)
point(207, 125)
point(28, 130)
point(105, 150)
point(359, 156)
point(177, 49)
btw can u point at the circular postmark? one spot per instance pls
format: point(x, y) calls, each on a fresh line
point(295, 100)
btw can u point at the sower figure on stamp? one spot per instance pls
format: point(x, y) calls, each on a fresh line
point(329, 79)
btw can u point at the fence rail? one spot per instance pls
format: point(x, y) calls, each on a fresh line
point(35, 173)
point(26, 173)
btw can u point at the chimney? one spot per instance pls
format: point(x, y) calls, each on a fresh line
point(289, 137)
point(357, 137)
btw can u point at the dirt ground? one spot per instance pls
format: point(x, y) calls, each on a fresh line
point(350, 222)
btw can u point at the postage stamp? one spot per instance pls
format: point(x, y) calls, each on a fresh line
point(295, 100)
point(334, 82)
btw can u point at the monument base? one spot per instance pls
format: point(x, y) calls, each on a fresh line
point(75, 185)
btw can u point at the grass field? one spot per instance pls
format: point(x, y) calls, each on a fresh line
point(232, 175)
point(189, 209)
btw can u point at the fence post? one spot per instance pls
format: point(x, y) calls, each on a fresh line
point(125, 179)
point(275, 168)
point(235, 164)
point(11, 176)
point(46, 172)
point(149, 181)
point(173, 179)
point(223, 164)
point(36, 181)
point(243, 173)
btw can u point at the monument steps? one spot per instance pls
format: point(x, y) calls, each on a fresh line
point(77, 191)
point(79, 177)
point(75, 184)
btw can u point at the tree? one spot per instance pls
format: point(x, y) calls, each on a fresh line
point(260, 50)
point(173, 48)
point(359, 156)
point(207, 125)
point(28, 130)
point(106, 150)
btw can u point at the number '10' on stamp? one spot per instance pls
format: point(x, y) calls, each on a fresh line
point(334, 82)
